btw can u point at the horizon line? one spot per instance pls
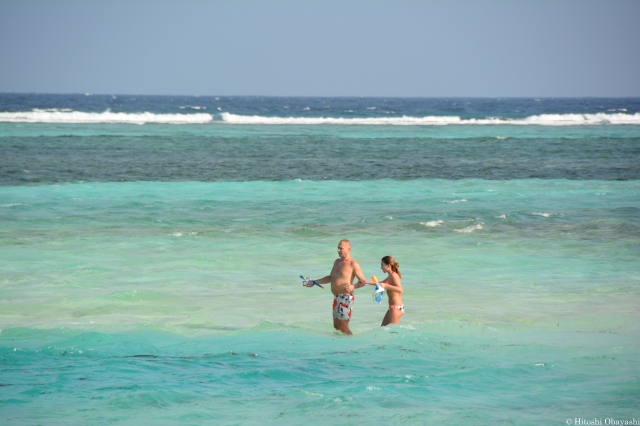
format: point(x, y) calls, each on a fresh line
point(318, 96)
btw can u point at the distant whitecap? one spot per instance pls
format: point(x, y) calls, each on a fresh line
point(470, 229)
point(431, 223)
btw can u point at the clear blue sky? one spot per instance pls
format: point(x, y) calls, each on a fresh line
point(322, 48)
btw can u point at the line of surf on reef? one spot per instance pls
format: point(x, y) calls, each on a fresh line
point(68, 116)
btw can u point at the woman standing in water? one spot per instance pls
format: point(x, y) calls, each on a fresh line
point(393, 287)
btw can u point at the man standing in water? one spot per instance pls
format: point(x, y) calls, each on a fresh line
point(344, 270)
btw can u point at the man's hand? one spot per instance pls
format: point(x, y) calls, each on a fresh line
point(349, 288)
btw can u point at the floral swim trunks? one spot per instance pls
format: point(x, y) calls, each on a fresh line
point(342, 304)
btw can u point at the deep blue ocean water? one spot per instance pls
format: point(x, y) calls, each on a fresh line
point(150, 248)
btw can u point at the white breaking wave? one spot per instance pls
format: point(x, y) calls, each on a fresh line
point(78, 117)
point(540, 120)
point(470, 229)
point(432, 223)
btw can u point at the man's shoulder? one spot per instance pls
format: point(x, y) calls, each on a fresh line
point(352, 262)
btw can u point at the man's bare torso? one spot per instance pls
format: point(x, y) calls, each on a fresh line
point(342, 275)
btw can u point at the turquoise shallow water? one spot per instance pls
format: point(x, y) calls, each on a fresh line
point(451, 372)
point(150, 271)
point(180, 302)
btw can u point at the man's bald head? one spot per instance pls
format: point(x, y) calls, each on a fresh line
point(344, 248)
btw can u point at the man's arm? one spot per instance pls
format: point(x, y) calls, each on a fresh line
point(358, 273)
point(324, 280)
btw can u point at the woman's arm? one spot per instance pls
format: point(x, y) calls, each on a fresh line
point(374, 282)
point(392, 284)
